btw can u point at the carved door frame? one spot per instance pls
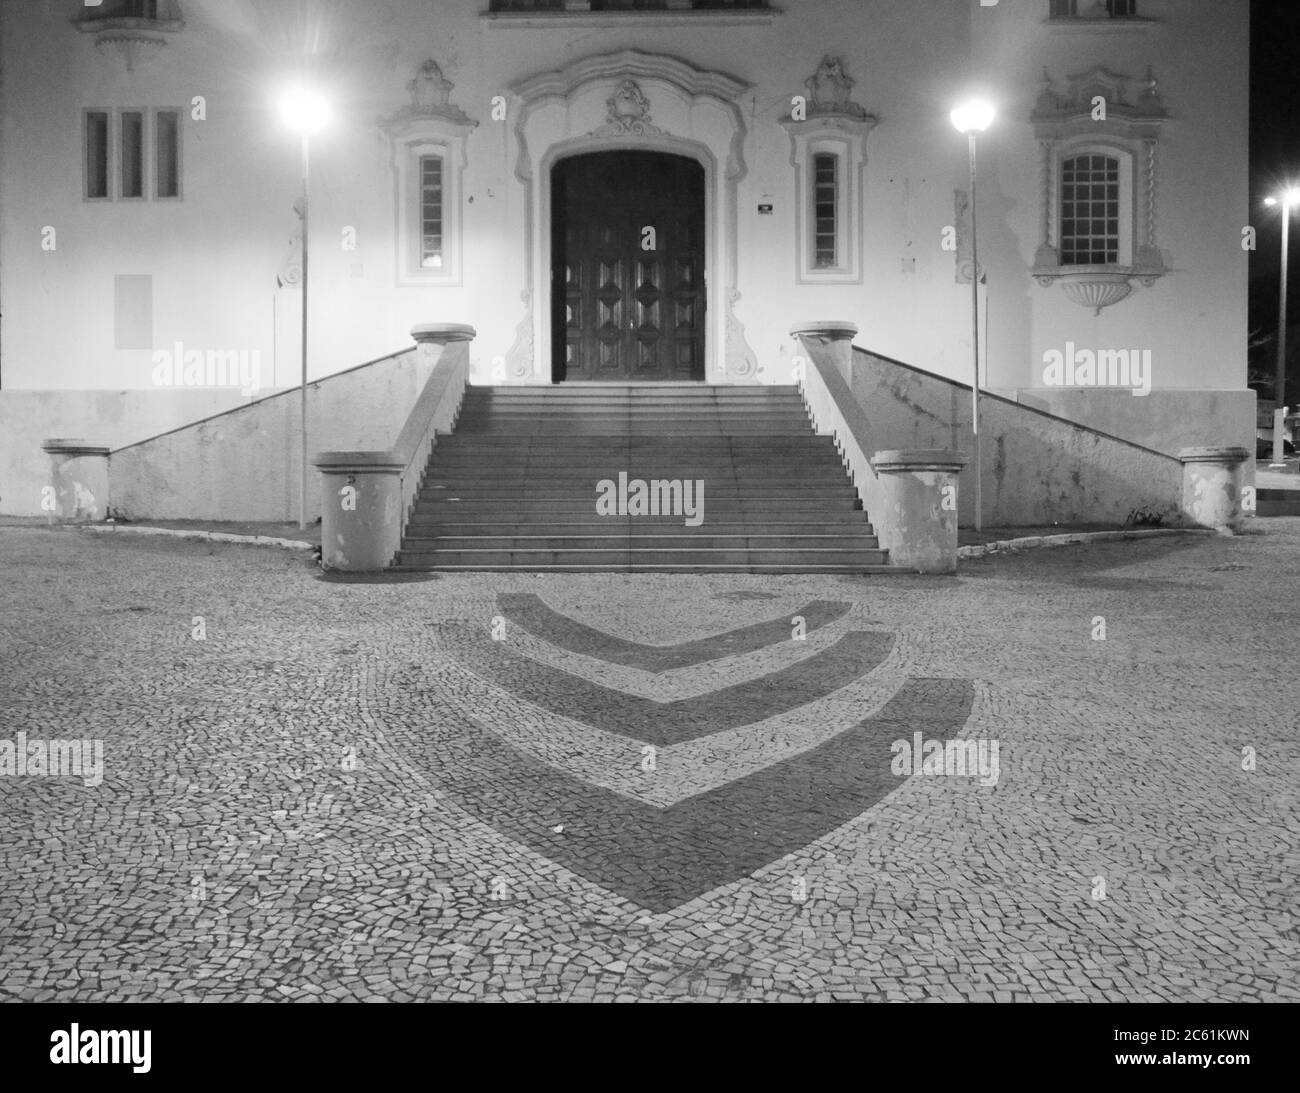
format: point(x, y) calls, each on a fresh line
point(670, 106)
point(685, 149)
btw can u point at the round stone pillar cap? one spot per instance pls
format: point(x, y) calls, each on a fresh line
point(919, 459)
point(1214, 455)
point(831, 328)
point(72, 446)
point(357, 463)
point(442, 333)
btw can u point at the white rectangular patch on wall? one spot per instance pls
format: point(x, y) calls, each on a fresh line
point(133, 311)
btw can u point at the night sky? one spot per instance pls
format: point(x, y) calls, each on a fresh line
point(1274, 157)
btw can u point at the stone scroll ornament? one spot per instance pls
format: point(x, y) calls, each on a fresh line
point(661, 857)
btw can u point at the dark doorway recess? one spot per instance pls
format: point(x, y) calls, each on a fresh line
point(621, 311)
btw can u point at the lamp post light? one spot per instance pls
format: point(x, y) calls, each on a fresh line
point(1289, 199)
point(972, 118)
point(306, 113)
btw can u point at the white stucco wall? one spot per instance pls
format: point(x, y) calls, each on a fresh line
point(111, 418)
point(214, 255)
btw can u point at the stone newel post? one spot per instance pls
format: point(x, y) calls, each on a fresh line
point(361, 501)
point(78, 481)
point(916, 520)
point(836, 335)
point(364, 497)
point(1212, 486)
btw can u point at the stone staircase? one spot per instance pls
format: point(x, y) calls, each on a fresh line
point(515, 486)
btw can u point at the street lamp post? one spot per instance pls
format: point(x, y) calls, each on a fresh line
point(305, 112)
point(1289, 199)
point(973, 118)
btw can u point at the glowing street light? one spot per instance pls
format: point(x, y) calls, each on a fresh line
point(972, 118)
point(306, 113)
point(1289, 199)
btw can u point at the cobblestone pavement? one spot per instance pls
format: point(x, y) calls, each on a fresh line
point(452, 788)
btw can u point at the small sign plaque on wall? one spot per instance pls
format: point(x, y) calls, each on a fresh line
point(765, 210)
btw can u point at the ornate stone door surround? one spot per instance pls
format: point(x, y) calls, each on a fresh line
point(633, 100)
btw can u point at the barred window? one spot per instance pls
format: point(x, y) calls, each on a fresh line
point(825, 211)
point(431, 212)
point(1089, 211)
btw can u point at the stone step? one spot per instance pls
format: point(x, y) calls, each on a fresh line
point(424, 544)
point(542, 486)
point(778, 470)
point(425, 527)
point(758, 508)
point(698, 570)
point(680, 391)
point(625, 557)
point(560, 455)
point(756, 407)
point(513, 487)
point(755, 403)
point(545, 427)
point(708, 441)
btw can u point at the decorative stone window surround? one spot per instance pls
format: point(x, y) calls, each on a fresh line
point(430, 126)
point(1064, 128)
point(838, 126)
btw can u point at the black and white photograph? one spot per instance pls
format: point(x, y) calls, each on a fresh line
point(584, 501)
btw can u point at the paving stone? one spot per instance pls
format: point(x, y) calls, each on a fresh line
point(320, 800)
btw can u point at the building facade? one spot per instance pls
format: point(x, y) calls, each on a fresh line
point(620, 190)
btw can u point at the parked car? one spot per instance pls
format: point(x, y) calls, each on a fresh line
point(1264, 447)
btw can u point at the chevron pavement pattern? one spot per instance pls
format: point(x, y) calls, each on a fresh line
point(661, 856)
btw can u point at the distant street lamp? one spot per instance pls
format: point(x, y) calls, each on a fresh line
point(306, 113)
point(972, 118)
point(1289, 199)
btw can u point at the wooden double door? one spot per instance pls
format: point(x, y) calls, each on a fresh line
point(628, 292)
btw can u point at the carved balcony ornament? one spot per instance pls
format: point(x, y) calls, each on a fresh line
point(627, 112)
point(132, 32)
point(1096, 290)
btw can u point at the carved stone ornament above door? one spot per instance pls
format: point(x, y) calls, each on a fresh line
point(628, 113)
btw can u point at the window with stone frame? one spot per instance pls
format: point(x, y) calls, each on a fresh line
point(828, 151)
point(1100, 185)
point(427, 143)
